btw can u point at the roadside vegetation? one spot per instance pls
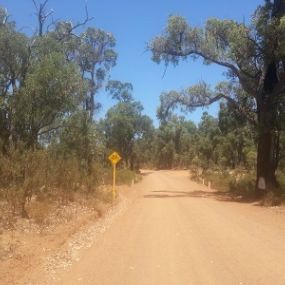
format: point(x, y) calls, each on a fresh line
point(54, 151)
point(252, 94)
point(54, 171)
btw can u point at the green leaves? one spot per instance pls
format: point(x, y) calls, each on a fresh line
point(120, 91)
point(126, 129)
point(223, 42)
point(177, 41)
point(173, 143)
point(13, 57)
point(95, 56)
point(96, 49)
point(199, 95)
point(52, 89)
point(45, 79)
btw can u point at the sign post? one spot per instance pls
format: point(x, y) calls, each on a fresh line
point(114, 158)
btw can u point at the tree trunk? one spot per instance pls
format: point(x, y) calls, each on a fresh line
point(267, 152)
point(266, 162)
point(33, 139)
point(132, 162)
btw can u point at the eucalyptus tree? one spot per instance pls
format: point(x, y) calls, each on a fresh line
point(254, 57)
point(38, 85)
point(52, 90)
point(124, 124)
point(174, 142)
point(14, 58)
point(238, 138)
point(92, 49)
point(120, 91)
point(96, 56)
point(208, 135)
point(49, 80)
point(164, 147)
point(93, 52)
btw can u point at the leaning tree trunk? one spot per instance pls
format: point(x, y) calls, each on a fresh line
point(268, 134)
point(266, 161)
point(268, 141)
point(267, 152)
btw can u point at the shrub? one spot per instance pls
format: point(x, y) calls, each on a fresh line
point(281, 180)
point(219, 180)
point(123, 176)
point(40, 174)
point(245, 186)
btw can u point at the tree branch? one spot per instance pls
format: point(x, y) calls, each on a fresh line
point(41, 14)
point(207, 99)
point(201, 54)
point(236, 71)
point(70, 30)
point(50, 129)
point(249, 114)
point(86, 20)
point(35, 4)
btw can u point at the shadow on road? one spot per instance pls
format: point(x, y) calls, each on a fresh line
point(217, 195)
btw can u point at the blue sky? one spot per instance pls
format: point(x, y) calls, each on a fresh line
point(134, 23)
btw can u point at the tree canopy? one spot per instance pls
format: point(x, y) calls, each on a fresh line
point(253, 56)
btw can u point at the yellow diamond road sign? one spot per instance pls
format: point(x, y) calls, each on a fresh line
point(114, 158)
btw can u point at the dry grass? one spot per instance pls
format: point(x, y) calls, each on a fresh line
point(241, 183)
point(33, 184)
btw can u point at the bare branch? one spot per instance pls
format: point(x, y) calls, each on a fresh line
point(53, 23)
point(50, 129)
point(234, 69)
point(70, 30)
point(41, 14)
point(165, 70)
point(86, 20)
point(35, 4)
point(45, 3)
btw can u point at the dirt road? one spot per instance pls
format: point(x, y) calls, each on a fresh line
point(175, 232)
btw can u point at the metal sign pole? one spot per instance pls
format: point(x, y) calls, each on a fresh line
point(114, 182)
point(114, 158)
